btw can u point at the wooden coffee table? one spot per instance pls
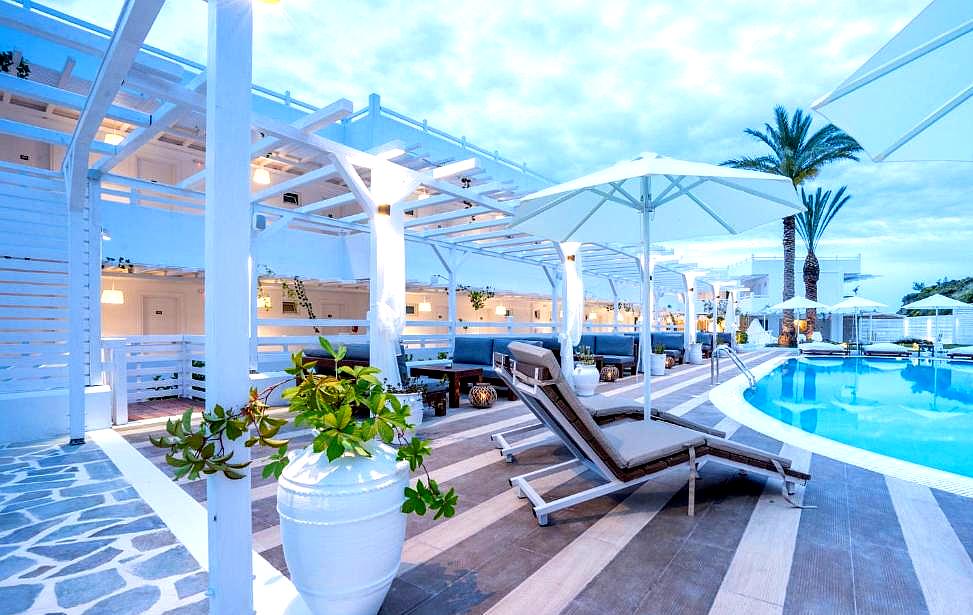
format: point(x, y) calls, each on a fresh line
point(456, 376)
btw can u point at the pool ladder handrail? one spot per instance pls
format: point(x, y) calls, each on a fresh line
point(714, 366)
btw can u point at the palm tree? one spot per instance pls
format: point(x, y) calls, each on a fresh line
point(819, 210)
point(798, 156)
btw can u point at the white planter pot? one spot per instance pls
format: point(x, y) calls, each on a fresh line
point(695, 354)
point(416, 407)
point(342, 529)
point(585, 380)
point(658, 364)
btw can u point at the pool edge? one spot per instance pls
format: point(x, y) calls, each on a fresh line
point(728, 399)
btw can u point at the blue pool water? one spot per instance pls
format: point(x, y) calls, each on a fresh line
point(915, 410)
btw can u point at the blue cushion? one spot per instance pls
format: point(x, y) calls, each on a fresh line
point(618, 345)
point(613, 359)
point(670, 340)
point(473, 350)
point(588, 340)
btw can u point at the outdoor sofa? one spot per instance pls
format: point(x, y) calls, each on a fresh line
point(885, 349)
point(616, 349)
point(706, 339)
point(625, 453)
point(822, 349)
point(476, 352)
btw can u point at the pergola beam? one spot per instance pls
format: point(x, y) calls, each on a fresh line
point(57, 96)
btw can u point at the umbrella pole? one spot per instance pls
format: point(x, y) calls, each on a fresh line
point(646, 304)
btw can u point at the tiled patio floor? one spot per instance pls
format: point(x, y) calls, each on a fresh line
point(76, 538)
point(873, 544)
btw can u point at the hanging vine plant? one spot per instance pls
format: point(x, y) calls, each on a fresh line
point(295, 290)
point(478, 296)
point(7, 61)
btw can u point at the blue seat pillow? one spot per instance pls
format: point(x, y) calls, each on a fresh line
point(473, 350)
point(615, 345)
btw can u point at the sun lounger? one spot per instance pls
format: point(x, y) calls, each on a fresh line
point(960, 352)
point(625, 453)
point(886, 349)
point(602, 408)
point(822, 348)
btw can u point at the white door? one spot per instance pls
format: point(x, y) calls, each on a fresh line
point(160, 315)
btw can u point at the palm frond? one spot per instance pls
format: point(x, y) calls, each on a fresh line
point(820, 208)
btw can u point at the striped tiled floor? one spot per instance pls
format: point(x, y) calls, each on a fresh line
point(873, 544)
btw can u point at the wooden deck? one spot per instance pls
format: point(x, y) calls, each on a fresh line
point(873, 544)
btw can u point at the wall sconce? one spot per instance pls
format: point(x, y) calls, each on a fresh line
point(261, 176)
point(571, 257)
point(263, 302)
point(385, 210)
point(501, 310)
point(424, 306)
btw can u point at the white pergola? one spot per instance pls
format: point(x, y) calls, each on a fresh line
point(395, 193)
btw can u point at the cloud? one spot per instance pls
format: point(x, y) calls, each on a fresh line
point(570, 86)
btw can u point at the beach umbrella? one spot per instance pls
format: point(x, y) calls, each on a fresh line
point(857, 305)
point(655, 198)
point(800, 303)
point(913, 99)
point(936, 303)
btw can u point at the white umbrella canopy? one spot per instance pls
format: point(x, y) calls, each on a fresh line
point(935, 302)
point(913, 100)
point(857, 305)
point(655, 198)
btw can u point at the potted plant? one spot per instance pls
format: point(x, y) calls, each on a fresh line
point(658, 364)
point(585, 373)
point(410, 395)
point(341, 499)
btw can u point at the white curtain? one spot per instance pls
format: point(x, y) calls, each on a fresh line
point(572, 327)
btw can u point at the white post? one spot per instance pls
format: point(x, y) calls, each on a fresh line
point(731, 317)
point(96, 373)
point(573, 322)
point(554, 279)
point(254, 307)
point(647, 290)
point(689, 327)
point(227, 286)
point(716, 311)
point(611, 283)
point(451, 262)
point(77, 306)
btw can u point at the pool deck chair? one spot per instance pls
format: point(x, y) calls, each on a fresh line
point(960, 352)
point(625, 453)
point(886, 349)
point(602, 408)
point(822, 349)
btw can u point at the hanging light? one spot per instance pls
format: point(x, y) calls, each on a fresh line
point(112, 296)
point(501, 310)
point(261, 176)
point(424, 305)
point(263, 302)
point(114, 138)
point(593, 315)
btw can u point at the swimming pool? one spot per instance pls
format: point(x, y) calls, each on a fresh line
point(919, 411)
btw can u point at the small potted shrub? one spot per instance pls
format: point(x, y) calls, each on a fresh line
point(410, 394)
point(658, 360)
point(586, 374)
point(343, 499)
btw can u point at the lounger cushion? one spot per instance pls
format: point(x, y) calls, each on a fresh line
point(535, 356)
point(822, 348)
point(639, 442)
point(960, 351)
point(746, 451)
point(501, 344)
point(601, 406)
point(886, 348)
point(473, 350)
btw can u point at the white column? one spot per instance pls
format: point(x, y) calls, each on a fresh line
point(96, 373)
point(645, 343)
point(555, 279)
point(573, 321)
point(451, 307)
point(254, 277)
point(77, 306)
point(732, 323)
point(689, 328)
point(611, 284)
point(716, 311)
point(228, 298)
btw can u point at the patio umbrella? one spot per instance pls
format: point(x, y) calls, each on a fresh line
point(655, 198)
point(800, 303)
point(856, 305)
point(935, 302)
point(913, 100)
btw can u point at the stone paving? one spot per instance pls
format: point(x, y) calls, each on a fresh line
point(76, 538)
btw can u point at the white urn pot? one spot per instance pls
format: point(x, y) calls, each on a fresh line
point(342, 529)
point(585, 380)
point(658, 364)
point(416, 407)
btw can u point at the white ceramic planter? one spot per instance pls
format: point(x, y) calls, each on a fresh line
point(695, 354)
point(658, 364)
point(342, 529)
point(585, 380)
point(416, 407)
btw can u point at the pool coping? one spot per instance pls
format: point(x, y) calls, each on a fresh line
point(728, 399)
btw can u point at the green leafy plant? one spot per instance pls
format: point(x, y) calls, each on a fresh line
point(442, 355)
point(659, 349)
point(345, 411)
point(585, 356)
point(478, 296)
point(742, 337)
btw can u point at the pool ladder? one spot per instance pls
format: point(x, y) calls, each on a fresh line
point(714, 365)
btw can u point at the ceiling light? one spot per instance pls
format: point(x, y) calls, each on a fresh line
point(114, 138)
point(112, 296)
point(261, 176)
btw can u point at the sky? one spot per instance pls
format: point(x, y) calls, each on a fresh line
point(570, 87)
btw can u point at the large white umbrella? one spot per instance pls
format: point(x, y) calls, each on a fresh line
point(936, 303)
point(799, 303)
point(655, 198)
point(913, 100)
point(857, 305)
